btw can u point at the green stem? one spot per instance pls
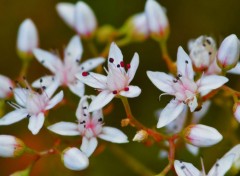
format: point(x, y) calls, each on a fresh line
point(131, 162)
point(2, 107)
point(123, 42)
point(24, 69)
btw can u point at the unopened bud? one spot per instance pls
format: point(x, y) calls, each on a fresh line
point(141, 136)
point(201, 135)
point(228, 53)
point(157, 20)
point(74, 159)
point(5, 84)
point(11, 146)
point(106, 33)
point(125, 122)
point(27, 39)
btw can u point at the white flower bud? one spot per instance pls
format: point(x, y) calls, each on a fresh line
point(141, 136)
point(74, 159)
point(228, 53)
point(201, 135)
point(27, 39)
point(11, 146)
point(157, 19)
point(5, 84)
point(236, 111)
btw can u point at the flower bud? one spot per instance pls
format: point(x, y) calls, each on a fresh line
point(157, 20)
point(106, 33)
point(125, 122)
point(74, 159)
point(5, 84)
point(201, 135)
point(141, 136)
point(228, 53)
point(27, 39)
point(11, 146)
point(85, 22)
point(236, 111)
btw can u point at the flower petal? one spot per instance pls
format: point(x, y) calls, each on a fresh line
point(36, 123)
point(66, 12)
point(133, 67)
point(13, 117)
point(186, 169)
point(77, 88)
point(65, 128)
point(20, 95)
point(170, 112)
point(113, 135)
point(50, 90)
point(192, 149)
point(115, 53)
point(89, 145)
point(211, 82)
point(5, 84)
point(235, 70)
point(82, 109)
point(101, 100)
point(133, 91)
point(162, 81)
point(55, 100)
point(49, 60)
point(91, 63)
point(43, 81)
point(184, 64)
point(74, 50)
point(94, 80)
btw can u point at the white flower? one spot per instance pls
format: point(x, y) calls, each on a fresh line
point(11, 146)
point(201, 135)
point(33, 105)
point(90, 126)
point(27, 39)
point(219, 168)
point(65, 70)
point(5, 83)
point(80, 17)
point(116, 82)
point(156, 18)
point(228, 53)
point(74, 159)
point(183, 87)
point(236, 162)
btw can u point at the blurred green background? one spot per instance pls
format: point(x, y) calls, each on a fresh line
point(188, 19)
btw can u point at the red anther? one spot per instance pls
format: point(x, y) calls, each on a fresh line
point(128, 66)
point(111, 60)
point(114, 92)
point(122, 64)
point(85, 73)
point(126, 88)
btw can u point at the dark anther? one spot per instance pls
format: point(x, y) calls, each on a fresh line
point(77, 60)
point(126, 88)
point(128, 66)
point(175, 81)
point(111, 60)
point(210, 53)
point(179, 75)
point(118, 65)
point(10, 88)
point(186, 61)
point(83, 122)
point(84, 114)
point(208, 41)
point(122, 64)
point(100, 119)
point(82, 68)
point(28, 116)
point(84, 107)
point(85, 73)
point(42, 61)
point(43, 87)
point(41, 80)
point(182, 167)
point(114, 92)
point(204, 44)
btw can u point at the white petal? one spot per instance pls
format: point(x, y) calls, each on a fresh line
point(192, 149)
point(134, 91)
point(235, 70)
point(170, 112)
point(162, 81)
point(198, 115)
point(49, 60)
point(74, 159)
point(133, 67)
point(55, 100)
point(113, 135)
point(66, 12)
point(77, 88)
point(94, 80)
point(82, 109)
point(43, 81)
point(13, 117)
point(50, 90)
point(27, 36)
point(89, 145)
point(5, 84)
point(20, 95)
point(74, 51)
point(184, 64)
point(65, 128)
point(211, 82)
point(115, 53)
point(101, 100)
point(186, 169)
point(36, 123)
point(222, 166)
point(91, 63)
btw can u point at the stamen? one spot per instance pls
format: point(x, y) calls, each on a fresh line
point(208, 41)
point(186, 61)
point(111, 60)
point(122, 64)
point(118, 65)
point(84, 107)
point(100, 120)
point(126, 88)
point(85, 73)
point(114, 92)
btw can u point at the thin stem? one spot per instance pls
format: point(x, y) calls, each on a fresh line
point(131, 162)
point(230, 90)
point(170, 64)
point(24, 69)
point(123, 41)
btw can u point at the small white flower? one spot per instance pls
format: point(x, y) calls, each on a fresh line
point(116, 82)
point(11, 146)
point(90, 126)
point(5, 83)
point(74, 159)
point(27, 39)
point(80, 17)
point(228, 53)
point(219, 168)
point(201, 135)
point(183, 87)
point(65, 70)
point(156, 18)
point(33, 105)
